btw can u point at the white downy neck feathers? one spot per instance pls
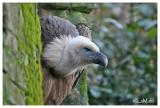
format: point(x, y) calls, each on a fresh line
point(55, 53)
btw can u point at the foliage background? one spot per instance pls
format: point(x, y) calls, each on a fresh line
point(127, 34)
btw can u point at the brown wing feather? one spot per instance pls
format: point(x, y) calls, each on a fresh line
point(47, 83)
point(56, 89)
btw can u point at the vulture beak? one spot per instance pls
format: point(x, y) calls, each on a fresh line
point(100, 58)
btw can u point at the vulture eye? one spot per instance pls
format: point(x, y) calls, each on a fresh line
point(86, 49)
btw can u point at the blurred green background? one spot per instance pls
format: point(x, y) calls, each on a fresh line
point(127, 34)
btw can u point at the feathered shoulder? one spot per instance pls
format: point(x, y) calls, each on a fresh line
point(53, 26)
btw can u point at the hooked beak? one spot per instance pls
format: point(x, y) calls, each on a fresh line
point(100, 58)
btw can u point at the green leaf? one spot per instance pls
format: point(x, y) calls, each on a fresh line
point(152, 33)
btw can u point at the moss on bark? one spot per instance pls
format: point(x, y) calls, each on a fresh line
point(83, 89)
point(29, 52)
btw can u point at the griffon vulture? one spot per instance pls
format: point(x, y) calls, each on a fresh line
point(66, 51)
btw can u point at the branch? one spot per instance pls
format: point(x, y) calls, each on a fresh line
point(71, 7)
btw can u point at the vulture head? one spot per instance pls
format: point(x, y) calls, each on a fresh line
point(68, 54)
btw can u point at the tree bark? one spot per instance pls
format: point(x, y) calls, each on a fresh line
point(22, 77)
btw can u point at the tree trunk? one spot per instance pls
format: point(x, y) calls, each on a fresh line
point(21, 55)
